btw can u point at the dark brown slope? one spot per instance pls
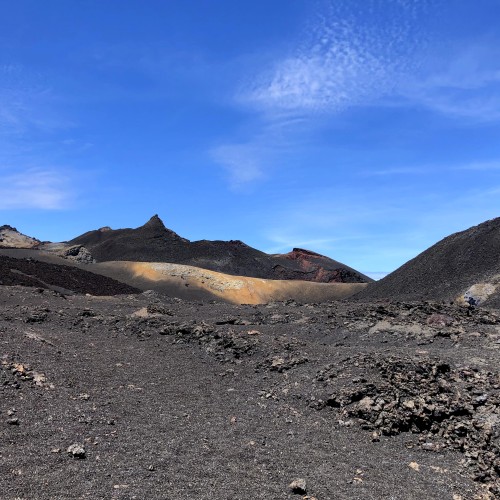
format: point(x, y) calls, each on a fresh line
point(447, 269)
point(65, 279)
point(153, 242)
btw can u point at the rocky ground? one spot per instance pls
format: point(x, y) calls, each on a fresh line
point(63, 279)
point(142, 396)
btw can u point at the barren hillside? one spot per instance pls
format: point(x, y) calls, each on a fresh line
point(153, 242)
point(461, 265)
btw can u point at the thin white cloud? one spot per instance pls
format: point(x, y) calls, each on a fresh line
point(465, 105)
point(477, 166)
point(342, 60)
point(465, 84)
point(354, 59)
point(381, 53)
point(327, 222)
point(346, 60)
point(26, 102)
point(480, 166)
point(35, 188)
point(242, 163)
point(395, 171)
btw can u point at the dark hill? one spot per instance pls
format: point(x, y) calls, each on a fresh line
point(153, 242)
point(65, 279)
point(446, 270)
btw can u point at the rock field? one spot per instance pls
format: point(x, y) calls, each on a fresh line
point(144, 396)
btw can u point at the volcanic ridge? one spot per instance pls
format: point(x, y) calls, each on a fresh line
point(153, 242)
point(152, 257)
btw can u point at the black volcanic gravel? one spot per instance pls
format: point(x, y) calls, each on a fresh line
point(141, 396)
point(65, 279)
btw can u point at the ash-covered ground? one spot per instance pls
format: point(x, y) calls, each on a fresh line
point(142, 396)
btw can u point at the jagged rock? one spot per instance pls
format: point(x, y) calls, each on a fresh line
point(298, 486)
point(76, 450)
point(460, 408)
point(78, 253)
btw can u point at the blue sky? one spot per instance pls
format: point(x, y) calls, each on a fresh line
point(363, 130)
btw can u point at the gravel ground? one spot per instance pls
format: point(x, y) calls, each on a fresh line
point(140, 396)
point(60, 278)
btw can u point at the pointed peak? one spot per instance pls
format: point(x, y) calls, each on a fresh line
point(156, 227)
point(155, 222)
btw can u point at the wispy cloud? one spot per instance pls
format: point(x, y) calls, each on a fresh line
point(480, 166)
point(242, 163)
point(477, 166)
point(395, 171)
point(382, 53)
point(345, 60)
point(26, 103)
point(29, 122)
point(465, 84)
point(354, 58)
point(328, 222)
point(46, 189)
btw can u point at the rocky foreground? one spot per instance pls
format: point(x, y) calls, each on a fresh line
point(139, 396)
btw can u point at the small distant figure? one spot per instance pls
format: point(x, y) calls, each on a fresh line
point(472, 302)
